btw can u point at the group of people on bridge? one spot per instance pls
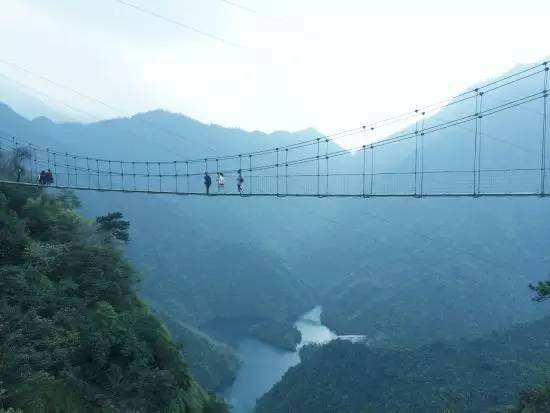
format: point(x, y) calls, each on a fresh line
point(45, 178)
point(220, 179)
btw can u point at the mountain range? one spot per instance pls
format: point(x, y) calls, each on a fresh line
point(404, 272)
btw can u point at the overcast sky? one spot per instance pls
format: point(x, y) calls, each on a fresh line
point(282, 64)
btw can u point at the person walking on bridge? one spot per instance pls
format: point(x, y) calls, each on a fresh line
point(49, 177)
point(221, 182)
point(207, 182)
point(240, 181)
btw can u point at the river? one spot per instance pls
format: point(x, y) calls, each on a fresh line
point(264, 365)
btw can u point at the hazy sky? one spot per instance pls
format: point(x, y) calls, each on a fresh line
point(286, 64)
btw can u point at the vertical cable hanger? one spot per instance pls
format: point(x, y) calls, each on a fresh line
point(75, 171)
point(98, 180)
point(134, 175)
point(148, 177)
point(110, 176)
point(122, 175)
point(88, 173)
point(47, 160)
point(31, 160)
point(55, 168)
point(36, 164)
point(160, 177)
point(250, 171)
point(67, 169)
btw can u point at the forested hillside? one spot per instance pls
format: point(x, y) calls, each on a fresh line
point(212, 363)
point(74, 337)
point(477, 376)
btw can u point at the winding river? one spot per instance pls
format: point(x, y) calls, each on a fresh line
point(264, 365)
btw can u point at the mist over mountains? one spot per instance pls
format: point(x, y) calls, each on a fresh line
point(402, 271)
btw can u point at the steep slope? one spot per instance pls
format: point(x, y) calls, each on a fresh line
point(213, 364)
point(74, 337)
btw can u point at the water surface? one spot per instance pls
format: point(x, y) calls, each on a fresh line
point(264, 365)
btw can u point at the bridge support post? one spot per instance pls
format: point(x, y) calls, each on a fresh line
point(476, 114)
point(75, 171)
point(88, 173)
point(48, 161)
point(250, 171)
point(67, 169)
point(422, 156)
point(544, 128)
point(480, 139)
point(372, 169)
point(187, 176)
point(286, 171)
point(33, 158)
point(98, 179)
point(148, 177)
point(110, 176)
point(416, 154)
point(36, 163)
point(55, 169)
point(160, 178)
point(364, 170)
point(277, 172)
point(176, 175)
point(134, 175)
point(318, 168)
point(326, 157)
point(122, 176)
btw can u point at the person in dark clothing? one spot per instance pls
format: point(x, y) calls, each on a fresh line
point(42, 178)
point(19, 172)
point(49, 177)
point(240, 181)
point(207, 182)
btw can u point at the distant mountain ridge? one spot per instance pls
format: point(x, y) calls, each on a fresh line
point(378, 267)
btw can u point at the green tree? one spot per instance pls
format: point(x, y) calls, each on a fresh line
point(542, 289)
point(113, 225)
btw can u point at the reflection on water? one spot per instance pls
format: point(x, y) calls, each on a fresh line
point(264, 365)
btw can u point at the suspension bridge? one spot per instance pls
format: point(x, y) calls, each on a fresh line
point(488, 141)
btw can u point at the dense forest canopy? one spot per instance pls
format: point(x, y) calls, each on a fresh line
point(484, 375)
point(74, 337)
